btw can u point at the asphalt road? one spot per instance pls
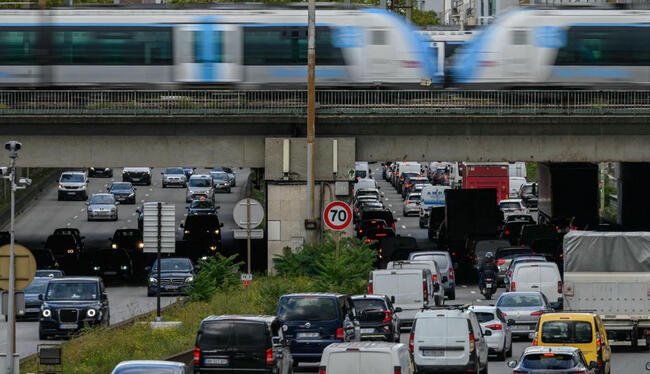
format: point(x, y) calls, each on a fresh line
point(47, 213)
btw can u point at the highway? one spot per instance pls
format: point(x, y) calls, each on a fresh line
point(47, 213)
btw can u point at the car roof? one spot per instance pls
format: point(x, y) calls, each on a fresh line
point(314, 294)
point(268, 319)
point(74, 172)
point(483, 308)
point(366, 346)
point(435, 313)
point(197, 176)
point(556, 349)
point(571, 316)
point(149, 364)
point(102, 194)
point(76, 279)
point(423, 253)
point(140, 168)
point(536, 293)
point(369, 297)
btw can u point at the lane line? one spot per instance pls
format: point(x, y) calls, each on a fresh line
point(75, 217)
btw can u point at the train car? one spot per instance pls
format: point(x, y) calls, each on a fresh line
point(242, 45)
point(443, 44)
point(569, 48)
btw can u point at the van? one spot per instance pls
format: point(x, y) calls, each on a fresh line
point(585, 331)
point(517, 169)
point(436, 288)
point(541, 277)
point(312, 321)
point(448, 340)
point(445, 265)
point(241, 343)
point(361, 170)
point(407, 289)
point(366, 358)
point(515, 186)
point(405, 167)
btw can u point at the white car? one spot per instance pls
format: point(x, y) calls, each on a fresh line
point(491, 318)
point(73, 184)
point(411, 204)
point(512, 206)
point(366, 358)
point(543, 277)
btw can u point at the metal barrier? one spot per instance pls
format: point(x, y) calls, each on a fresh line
point(347, 102)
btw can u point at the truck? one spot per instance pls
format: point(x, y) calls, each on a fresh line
point(609, 273)
point(431, 196)
point(568, 195)
point(488, 175)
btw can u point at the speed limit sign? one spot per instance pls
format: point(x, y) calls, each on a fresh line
point(337, 215)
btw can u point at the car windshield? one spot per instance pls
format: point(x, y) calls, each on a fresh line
point(148, 370)
point(414, 197)
point(549, 361)
point(219, 175)
point(307, 309)
point(527, 190)
point(129, 233)
point(121, 186)
point(362, 305)
point(102, 199)
point(566, 332)
point(510, 205)
point(72, 178)
point(71, 291)
point(174, 171)
point(361, 173)
point(173, 264)
point(199, 182)
point(202, 204)
point(37, 286)
point(484, 316)
point(517, 301)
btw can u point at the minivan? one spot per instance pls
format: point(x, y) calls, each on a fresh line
point(541, 277)
point(366, 358)
point(407, 289)
point(312, 321)
point(445, 265)
point(241, 343)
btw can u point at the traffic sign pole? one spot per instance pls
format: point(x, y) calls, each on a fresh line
point(248, 233)
point(337, 216)
point(158, 317)
point(11, 331)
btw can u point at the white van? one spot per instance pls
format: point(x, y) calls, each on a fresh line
point(362, 170)
point(448, 340)
point(408, 287)
point(436, 289)
point(431, 196)
point(366, 358)
point(517, 169)
point(515, 186)
point(541, 277)
point(405, 167)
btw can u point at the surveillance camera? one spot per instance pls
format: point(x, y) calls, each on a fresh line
point(25, 181)
point(13, 147)
point(4, 171)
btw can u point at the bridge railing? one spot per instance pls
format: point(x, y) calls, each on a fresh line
point(348, 102)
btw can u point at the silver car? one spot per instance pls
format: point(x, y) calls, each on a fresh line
point(445, 265)
point(412, 204)
point(556, 360)
point(151, 367)
point(491, 318)
point(524, 308)
point(199, 187)
point(174, 177)
point(102, 206)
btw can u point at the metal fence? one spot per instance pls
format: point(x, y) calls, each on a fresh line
point(347, 102)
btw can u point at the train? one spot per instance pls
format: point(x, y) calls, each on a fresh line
point(550, 48)
point(244, 46)
point(443, 43)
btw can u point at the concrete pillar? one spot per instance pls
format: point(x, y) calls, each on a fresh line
point(633, 197)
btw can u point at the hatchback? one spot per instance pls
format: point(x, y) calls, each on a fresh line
point(491, 318)
point(524, 308)
point(556, 360)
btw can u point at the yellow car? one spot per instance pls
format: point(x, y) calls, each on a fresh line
point(581, 330)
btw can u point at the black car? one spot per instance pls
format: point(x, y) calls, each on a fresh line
point(176, 273)
point(377, 317)
point(50, 273)
point(124, 192)
point(45, 259)
point(402, 179)
point(198, 207)
point(202, 234)
point(112, 263)
point(411, 183)
point(32, 302)
point(512, 230)
point(141, 176)
point(440, 176)
point(362, 205)
point(98, 171)
point(72, 303)
point(370, 224)
point(129, 239)
point(66, 250)
point(71, 231)
point(383, 214)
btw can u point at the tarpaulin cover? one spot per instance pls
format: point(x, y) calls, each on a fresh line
point(591, 251)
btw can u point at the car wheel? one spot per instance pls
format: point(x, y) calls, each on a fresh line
point(509, 352)
point(501, 356)
point(485, 369)
point(452, 294)
point(164, 185)
point(115, 219)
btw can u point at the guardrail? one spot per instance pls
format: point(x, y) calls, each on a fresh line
point(348, 102)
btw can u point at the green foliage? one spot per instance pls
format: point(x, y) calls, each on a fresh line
point(531, 171)
point(266, 291)
point(424, 17)
point(217, 273)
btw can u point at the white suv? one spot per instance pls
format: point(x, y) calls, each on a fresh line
point(73, 184)
point(444, 340)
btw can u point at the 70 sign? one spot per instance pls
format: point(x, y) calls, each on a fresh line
point(337, 215)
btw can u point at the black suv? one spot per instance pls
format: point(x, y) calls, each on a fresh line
point(129, 239)
point(112, 263)
point(378, 318)
point(66, 250)
point(72, 303)
point(176, 273)
point(96, 171)
point(241, 344)
point(202, 234)
point(124, 192)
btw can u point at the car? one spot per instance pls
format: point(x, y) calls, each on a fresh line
point(176, 274)
point(64, 247)
point(524, 308)
point(365, 358)
point(539, 276)
point(583, 330)
point(71, 304)
point(560, 360)
point(445, 265)
point(365, 226)
point(98, 171)
point(73, 185)
point(411, 204)
point(220, 181)
point(512, 228)
point(378, 318)
point(150, 367)
point(365, 183)
point(203, 233)
point(242, 344)
point(436, 291)
point(362, 170)
point(232, 177)
point(520, 260)
point(367, 192)
point(402, 180)
point(138, 175)
point(112, 263)
point(448, 340)
point(50, 273)
point(198, 207)
point(102, 206)
point(503, 256)
point(361, 205)
point(312, 321)
point(528, 193)
point(36, 287)
point(481, 247)
point(199, 186)
point(500, 341)
point(45, 259)
point(71, 231)
point(174, 177)
point(377, 214)
point(124, 192)
point(129, 239)
point(512, 206)
point(412, 183)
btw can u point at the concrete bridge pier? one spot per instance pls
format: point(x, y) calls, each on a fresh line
point(633, 195)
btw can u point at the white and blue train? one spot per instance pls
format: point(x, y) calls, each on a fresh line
point(250, 46)
point(545, 48)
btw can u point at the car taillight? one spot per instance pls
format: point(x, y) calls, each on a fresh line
point(393, 226)
point(387, 316)
point(339, 334)
point(599, 346)
point(411, 342)
point(500, 261)
point(537, 313)
point(425, 292)
point(322, 370)
point(397, 370)
point(435, 278)
point(370, 287)
point(451, 273)
point(496, 326)
point(559, 287)
point(197, 355)
point(270, 357)
point(409, 185)
point(507, 232)
point(368, 240)
point(577, 372)
point(513, 286)
point(472, 343)
point(519, 372)
point(360, 231)
point(535, 340)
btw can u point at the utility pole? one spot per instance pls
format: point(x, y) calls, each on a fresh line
point(311, 109)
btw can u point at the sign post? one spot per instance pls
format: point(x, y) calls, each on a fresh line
point(159, 236)
point(337, 216)
point(248, 214)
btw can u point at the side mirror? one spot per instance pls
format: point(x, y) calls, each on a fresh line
point(647, 365)
point(135, 189)
point(117, 203)
point(221, 225)
point(182, 225)
point(487, 333)
point(512, 364)
point(392, 299)
point(531, 336)
point(110, 239)
point(511, 322)
point(103, 297)
point(197, 267)
point(218, 207)
point(276, 340)
point(40, 296)
point(83, 237)
point(455, 265)
point(108, 189)
point(147, 268)
point(398, 310)
point(138, 210)
point(594, 365)
point(436, 287)
point(87, 203)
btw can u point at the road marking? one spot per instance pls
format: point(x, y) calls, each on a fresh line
point(403, 226)
point(133, 214)
point(472, 292)
point(68, 224)
point(147, 195)
point(142, 201)
point(151, 189)
point(390, 205)
point(463, 286)
point(82, 210)
point(123, 227)
point(397, 218)
point(478, 300)
point(408, 234)
point(75, 217)
point(106, 185)
point(185, 215)
point(129, 221)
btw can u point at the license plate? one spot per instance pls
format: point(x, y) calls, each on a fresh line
point(110, 273)
point(367, 331)
point(488, 285)
point(216, 361)
point(68, 326)
point(307, 335)
point(172, 287)
point(520, 327)
point(32, 310)
point(72, 193)
point(433, 352)
point(135, 179)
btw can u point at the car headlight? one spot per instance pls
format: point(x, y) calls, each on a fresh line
point(70, 251)
point(93, 169)
point(91, 312)
point(213, 247)
point(153, 280)
point(207, 192)
point(189, 279)
point(141, 245)
point(47, 313)
point(216, 231)
point(107, 169)
point(114, 246)
point(83, 187)
point(96, 268)
point(225, 183)
point(60, 186)
point(187, 231)
point(132, 194)
point(124, 267)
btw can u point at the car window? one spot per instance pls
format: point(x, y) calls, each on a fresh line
point(510, 205)
point(173, 264)
point(214, 335)
point(129, 233)
point(202, 204)
point(567, 332)
point(102, 199)
point(252, 335)
point(72, 178)
point(307, 309)
point(414, 197)
point(484, 316)
point(362, 305)
point(437, 327)
point(219, 175)
point(72, 291)
point(121, 186)
point(199, 182)
point(37, 286)
point(549, 361)
point(174, 171)
point(518, 300)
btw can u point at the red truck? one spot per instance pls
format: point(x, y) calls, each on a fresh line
point(487, 175)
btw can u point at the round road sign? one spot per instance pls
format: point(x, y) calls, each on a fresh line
point(239, 213)
point(24, 265)
point(337, 215)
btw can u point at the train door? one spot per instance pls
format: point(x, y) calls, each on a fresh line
point(380, 55)
point(518, 55)
point(208, 53)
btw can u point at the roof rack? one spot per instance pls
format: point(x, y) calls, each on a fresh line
point(447, 307)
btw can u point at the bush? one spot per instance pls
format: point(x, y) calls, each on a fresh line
point(217, 273)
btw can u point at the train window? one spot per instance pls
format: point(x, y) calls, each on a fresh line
point(18, 46)
point(208, 46)
point(111, 45)
point(379, 37)
point(606, 46)
point(519, 37)
point(287, 45)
